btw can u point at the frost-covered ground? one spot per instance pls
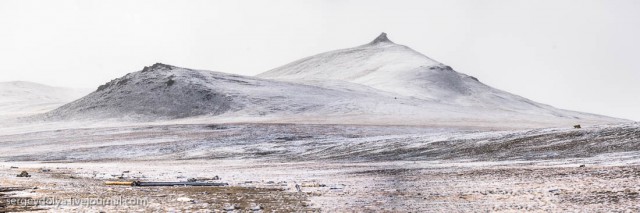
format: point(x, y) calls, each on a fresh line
point(340, 167)
point(303, 142)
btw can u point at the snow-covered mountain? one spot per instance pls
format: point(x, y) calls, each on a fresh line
point(377, 83)
point(400, 70)
point(161, 92)
point(20, 98)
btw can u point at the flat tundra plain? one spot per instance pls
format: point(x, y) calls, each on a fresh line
point(323, 168)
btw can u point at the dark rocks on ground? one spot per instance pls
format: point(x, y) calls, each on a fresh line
point(170, 82)
point(474, 78)
point(216, 126)
point(24, 174)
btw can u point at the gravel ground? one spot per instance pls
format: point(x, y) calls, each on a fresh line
point(549, 186)
point(338, 168)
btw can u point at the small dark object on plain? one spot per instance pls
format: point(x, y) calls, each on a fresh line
point(582, 165)
point(577, 126)
point(45, 170)
point(24, 174)
point(192, 180)
point(216, 127)
point(13, 167)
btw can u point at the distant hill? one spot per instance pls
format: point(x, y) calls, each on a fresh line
point(21, 98)
point(379, 83)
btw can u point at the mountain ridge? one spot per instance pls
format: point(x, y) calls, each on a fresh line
point(381, 83)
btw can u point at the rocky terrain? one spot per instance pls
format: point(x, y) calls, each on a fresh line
point(400, 186)
point(295, 142)
point(339, 168)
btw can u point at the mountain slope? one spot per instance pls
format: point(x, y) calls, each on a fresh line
point(397, 69)
point(166, 93)
point(379, 83)
point(380, 64)
point(162, 92)
point(20, 98)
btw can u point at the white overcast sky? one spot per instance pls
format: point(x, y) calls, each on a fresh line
point(580, 55)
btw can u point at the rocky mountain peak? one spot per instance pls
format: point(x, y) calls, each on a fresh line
point(382, 38)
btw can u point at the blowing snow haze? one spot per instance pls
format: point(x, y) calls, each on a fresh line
point(374, 125)
point(580, 58)
point(380, 82)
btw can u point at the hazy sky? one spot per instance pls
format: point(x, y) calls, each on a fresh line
point(580, 55)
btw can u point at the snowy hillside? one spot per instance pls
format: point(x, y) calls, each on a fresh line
point(383, 65)
point(20, 98)
point(397, 69)
point(166, 93)
point(161, 92)
point(379, 83)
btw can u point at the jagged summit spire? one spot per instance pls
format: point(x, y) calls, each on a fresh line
point(381, 38)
